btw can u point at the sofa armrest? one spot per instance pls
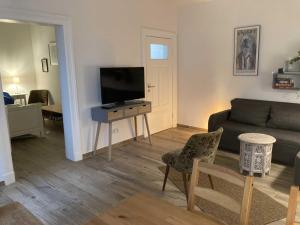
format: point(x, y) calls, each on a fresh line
point(216, 119)
point(297, 170)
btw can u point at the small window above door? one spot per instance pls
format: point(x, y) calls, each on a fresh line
point(159, 52)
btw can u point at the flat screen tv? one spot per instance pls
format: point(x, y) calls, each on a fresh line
point(122, 84)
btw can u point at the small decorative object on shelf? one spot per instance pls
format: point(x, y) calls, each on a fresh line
point(293, 64)
point(288, 77)
point(295, 59)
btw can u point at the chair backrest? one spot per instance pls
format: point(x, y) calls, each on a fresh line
point(204, 145)
point(39, 96)
point(292, 209)
point(243, 208)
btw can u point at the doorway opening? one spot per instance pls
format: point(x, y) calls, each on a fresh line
point(52, 114)
point(31, 87)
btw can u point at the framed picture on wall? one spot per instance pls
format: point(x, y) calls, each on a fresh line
point(45, 67)
point(53, 54)
point(246, 50)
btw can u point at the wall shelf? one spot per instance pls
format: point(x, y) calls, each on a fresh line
point(292, 89)
point(290, 73)
point(291, 78)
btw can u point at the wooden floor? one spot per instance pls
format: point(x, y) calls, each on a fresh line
point(58, 191)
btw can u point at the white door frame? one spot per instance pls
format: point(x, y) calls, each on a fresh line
point(150, 32)
point(68, 82)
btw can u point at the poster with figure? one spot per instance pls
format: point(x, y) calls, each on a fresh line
point(246, 51)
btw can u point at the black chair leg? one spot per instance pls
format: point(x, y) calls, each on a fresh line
point(166, 177)
point(211, 182)
point(185, 185)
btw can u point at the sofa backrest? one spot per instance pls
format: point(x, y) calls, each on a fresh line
point(285, 116)
point(279, 115)
point(254, 112)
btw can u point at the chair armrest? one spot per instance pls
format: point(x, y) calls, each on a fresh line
point(216, 119)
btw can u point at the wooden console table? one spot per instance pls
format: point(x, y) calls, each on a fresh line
point(110, 115)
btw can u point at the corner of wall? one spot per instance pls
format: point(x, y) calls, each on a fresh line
point(8, 178)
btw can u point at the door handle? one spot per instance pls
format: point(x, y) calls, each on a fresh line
point(151, 86)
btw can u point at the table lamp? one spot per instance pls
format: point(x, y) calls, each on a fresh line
point(16, 81)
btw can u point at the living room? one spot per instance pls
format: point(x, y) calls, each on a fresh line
point(99, 34)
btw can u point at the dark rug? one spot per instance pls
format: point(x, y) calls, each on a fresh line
point(264, 209)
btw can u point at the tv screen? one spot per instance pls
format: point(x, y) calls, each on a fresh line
point(122, 84)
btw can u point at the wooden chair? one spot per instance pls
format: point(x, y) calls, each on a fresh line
point(243, 209)
point(203, 146)
point(292, 209)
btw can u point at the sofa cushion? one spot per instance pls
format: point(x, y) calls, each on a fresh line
point(8, 100)
point(250, 111)
point(285, 116)
point(284, 151)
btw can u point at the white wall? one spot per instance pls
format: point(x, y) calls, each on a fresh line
point(206, 37)
point(41, 37)
point(105, 33)
point(16, 58)
point(6, 166)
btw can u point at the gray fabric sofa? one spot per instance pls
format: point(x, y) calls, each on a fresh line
point(281, 120)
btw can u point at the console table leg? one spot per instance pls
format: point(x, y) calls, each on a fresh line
point(97, 137)
point(136, 129)
point(148, 130)
point(110, 141)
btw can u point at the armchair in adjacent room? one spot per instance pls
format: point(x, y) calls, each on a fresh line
point(39, 96)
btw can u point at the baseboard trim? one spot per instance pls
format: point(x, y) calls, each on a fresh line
point(8, 178)
point(191, 127)
point(116, 145)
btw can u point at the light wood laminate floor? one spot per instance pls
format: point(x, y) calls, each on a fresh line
point(58, 191)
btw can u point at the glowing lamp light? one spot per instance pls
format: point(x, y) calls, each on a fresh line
point(16, 80)
point(8, 21)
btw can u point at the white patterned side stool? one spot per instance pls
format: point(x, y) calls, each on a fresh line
point(256, 153)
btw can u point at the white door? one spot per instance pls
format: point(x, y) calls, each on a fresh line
point(159, 80)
